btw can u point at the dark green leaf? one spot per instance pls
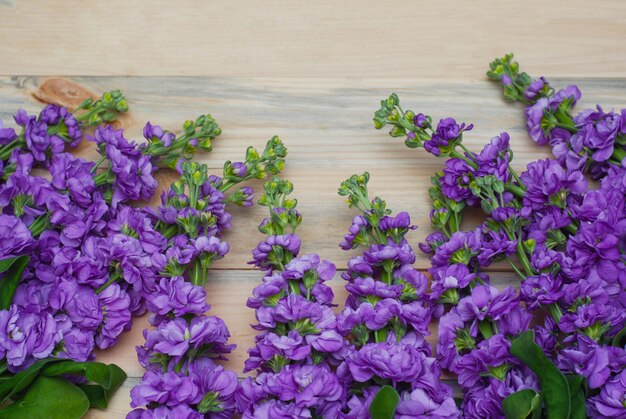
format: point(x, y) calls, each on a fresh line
point(14, 267)
point(97, 372)
point(522, 405)
point(384, 404)
point(577, 397)
point(617, 340)
point(48, 398)
point(98, 396)
point(22, 379)
point(554, 385)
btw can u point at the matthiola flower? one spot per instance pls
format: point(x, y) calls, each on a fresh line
point(448, 131)
point(419, 403)
point(169, 389)
point(541, 290)
point(610, 402)
point(548, 183)
point(26, 336)
point(15, 238)
point(264, 256)
point(491, 358)
point(175, 295)
point(589, 360)
point(487, 302)
point(394, 362)
point(456, 179)
point(115, 306)
point(455, 338)
point(494, 158)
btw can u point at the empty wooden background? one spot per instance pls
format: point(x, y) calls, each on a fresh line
point(312, 73)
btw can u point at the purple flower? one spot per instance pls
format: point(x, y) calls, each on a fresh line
point(401, 221)
point(419, 403)
point(487, 302)
point(359, 223)
point(163, 412)
point(214, 379)
point(398, 363)
point(156, 133)
point(548, 183)
point(454, 339)
point(240, 169)
point(115, 305)
point(433, 240)
point(588, 359)
point(401, 253)
point(175, 295)
point(169, 389)
point(306, 385)
point(6, 134)
point(494, 158)
point(78, 345)
point(25, 335)
point(264, 257)
point(610, 402)
point(491, 358)
point(536, 89)
point(455, 276)
point(445, 137)
point(456, 179)
point(541, 290)
point(15, 238)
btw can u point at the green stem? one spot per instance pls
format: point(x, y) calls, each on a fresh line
point(5, 152)
point(555, 312)
point(98, 163)
point(113, 277)
point(516, 269)
point(485, 329)
point(516, 190)
point(618, 154)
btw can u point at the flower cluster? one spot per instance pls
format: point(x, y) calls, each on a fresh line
point(182, 378)
point(565, 242)
point(594, 140)
point(298, 348)
point(387, 314)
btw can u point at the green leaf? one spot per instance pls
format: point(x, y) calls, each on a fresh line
point(99, 396)
point(522, 405)
point(97, 372)
point(617, 340)
point(577, 396)
point(554, 385)
point(14, 268)
point(22, 379)
point(49, 398)
point(384, 404)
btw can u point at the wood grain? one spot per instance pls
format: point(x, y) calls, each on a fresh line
point(326, 124)
point(324, 38)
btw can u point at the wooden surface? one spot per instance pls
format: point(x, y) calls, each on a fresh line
point(312, 73)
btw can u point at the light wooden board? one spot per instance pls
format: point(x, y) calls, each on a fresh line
point(324, 38)
point(326, 124)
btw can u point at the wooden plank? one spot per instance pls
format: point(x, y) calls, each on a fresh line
point(324, 38)
point(326, 124)
point(227, 292)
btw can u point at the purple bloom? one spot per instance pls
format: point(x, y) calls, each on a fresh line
point(487, 302)
point(541, 290)
point(175, 295)
point(156, 133)
point(455, 276)
point(456, 179)
point(115, 305)
point(419, 403)
point(169, 389)
point(307, 385)
point(495, 157)
point(548, 183)
point(263, 255)
point(491, 358)
point(6, 134)
point(610, 402)
point(447, 133)
point(401, 221)
point(536, 89)
point(15, 238)
point(25, 335)
point(401, 253)
point(359, 223)
point(454, 339)
point(588, 359)
point(398, 363)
